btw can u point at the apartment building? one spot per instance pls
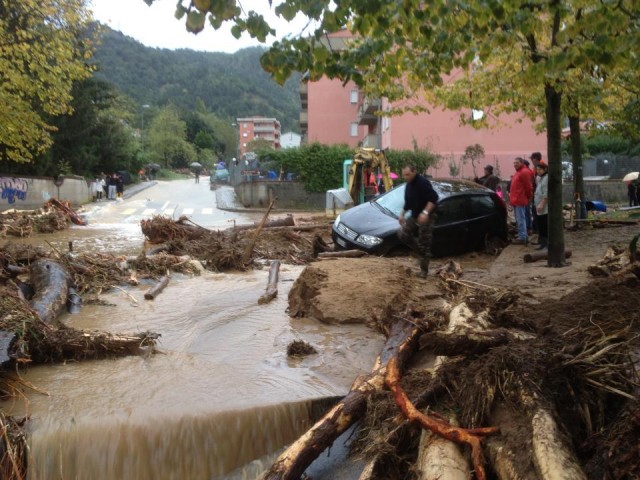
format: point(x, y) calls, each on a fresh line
point(254, 128)
point(336, 113)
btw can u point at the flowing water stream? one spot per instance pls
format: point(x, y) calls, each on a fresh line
point(221, 394)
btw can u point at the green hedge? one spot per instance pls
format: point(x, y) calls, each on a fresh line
point(320, 166)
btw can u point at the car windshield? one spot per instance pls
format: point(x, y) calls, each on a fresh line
point(392, 201)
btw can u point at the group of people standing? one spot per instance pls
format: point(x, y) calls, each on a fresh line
point(528, 194)
point(111, 185)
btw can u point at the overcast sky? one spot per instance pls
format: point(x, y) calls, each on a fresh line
point(156, 26)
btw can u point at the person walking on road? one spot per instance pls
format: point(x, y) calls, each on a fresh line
point(197, 171)
point(416, 231)
point(520, 196)
point(541, 204)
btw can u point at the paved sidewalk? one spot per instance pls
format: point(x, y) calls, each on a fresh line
point(136, 188)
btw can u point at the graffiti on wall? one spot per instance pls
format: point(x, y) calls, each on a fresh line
point(13, 188)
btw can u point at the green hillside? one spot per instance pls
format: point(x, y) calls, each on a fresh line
point(230, 85)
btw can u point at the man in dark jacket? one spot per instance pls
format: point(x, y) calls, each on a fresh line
point(488, 180)
point(416, 231)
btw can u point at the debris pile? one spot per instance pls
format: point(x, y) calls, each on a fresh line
point(23, 223)
point(530, 386)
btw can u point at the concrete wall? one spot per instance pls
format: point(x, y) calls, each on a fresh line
point(25, 192)
point(258, 194)
point(608, 191)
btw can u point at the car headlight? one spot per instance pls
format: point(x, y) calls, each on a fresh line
point(336, 222)
point(369, 240)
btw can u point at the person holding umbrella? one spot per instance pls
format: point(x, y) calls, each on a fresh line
point(197, 168)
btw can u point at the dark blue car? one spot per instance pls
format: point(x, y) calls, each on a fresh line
point(468, 215)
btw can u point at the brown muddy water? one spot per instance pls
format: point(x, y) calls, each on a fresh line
point(220, 395)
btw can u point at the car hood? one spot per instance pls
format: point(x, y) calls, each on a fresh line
point(370, 220)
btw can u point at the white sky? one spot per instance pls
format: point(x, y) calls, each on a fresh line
point(156, 26)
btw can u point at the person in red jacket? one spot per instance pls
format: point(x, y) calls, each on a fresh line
point(520, 198)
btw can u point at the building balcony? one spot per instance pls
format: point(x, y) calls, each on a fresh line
point(264, 128)
point(372, 141)
point(304, 119)
point(367, 111)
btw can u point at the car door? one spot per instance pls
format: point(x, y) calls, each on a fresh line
point(451, 229)
point(482, 220)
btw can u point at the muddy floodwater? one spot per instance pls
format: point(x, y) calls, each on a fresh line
point(221, 393)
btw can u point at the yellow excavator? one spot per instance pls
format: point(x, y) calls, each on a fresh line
point(361, 181)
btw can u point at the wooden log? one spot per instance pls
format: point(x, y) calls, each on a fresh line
point(73, 216)
point(249, 250)
point(542, 255)
point(440, 459)
point(154, 291)
point(343, 254)
point(292, 463)
point(552, 457)
point(51, 283)
point(272, 285)
point(280, 222)
point(61, 344)
point(15, 270)
point(157, 249)
point(469, 343)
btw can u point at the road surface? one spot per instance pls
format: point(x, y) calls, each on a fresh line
point(172, 199)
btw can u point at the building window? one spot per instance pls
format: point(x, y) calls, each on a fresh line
point(354, 96)
point(354, 129)
point(245, 125)
point(245, 134)
point(244, 144)
point(386, 123)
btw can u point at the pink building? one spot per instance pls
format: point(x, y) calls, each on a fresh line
point(253, 128)
point(333, 113)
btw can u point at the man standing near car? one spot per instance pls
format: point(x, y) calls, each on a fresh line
point(416, 231)
point(520, 198)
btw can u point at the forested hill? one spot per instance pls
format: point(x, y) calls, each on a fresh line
point(230, 85)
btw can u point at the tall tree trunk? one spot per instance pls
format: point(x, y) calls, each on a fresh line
point(576, 160)
point(556, 232)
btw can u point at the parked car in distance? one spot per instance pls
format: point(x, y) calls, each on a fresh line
point(468, 215)
point(220, 175)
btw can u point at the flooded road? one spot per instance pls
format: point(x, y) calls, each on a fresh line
point(221, 393)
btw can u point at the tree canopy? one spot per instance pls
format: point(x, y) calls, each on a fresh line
point(42, 52)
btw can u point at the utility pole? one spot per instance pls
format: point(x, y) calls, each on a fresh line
point(142, 128)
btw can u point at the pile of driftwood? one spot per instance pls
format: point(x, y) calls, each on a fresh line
point(617, 262)
point(32, 297)
point(238, 247)
point(53, 216)
point(515, 389)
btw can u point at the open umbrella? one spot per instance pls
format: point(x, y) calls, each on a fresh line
point(196, 165)
point(153, 166)
point(392, 175)
point(630, 177)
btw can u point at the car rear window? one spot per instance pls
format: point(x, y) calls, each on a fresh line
point(482, 205)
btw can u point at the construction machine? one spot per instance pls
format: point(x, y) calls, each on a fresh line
point(362, 174)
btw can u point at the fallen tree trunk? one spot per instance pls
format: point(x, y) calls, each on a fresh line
point(272, 285)
point(553, 459)
point(73, 216)
point(292, 463)
point(280, 222)
point(157, 289)
point(46, 345)
point(343, 254)
point(440, 459)
point(534, 257)
point(470, 343)
point(50, 281)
